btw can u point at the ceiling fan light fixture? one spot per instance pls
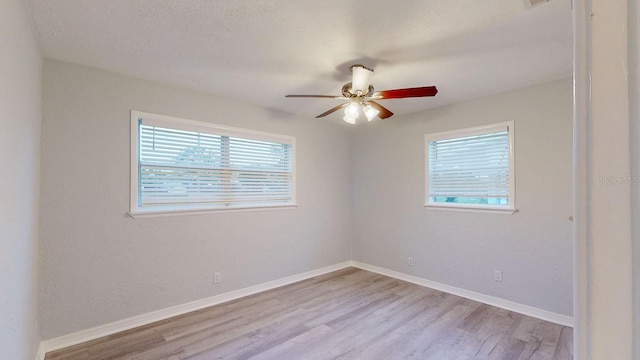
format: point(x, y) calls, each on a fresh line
point(370, 112)
point(531, 3)
point(351, 112)
point(361, 77)
point(349, 120)
point(361, 99)
point(352, 109)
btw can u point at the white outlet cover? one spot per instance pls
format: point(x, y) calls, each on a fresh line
point(497, 275)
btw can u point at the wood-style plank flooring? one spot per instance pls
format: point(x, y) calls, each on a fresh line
point(347, 314)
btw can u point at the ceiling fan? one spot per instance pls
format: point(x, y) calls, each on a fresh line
point(361, 97)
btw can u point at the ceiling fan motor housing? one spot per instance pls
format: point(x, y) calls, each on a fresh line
point(349, 92)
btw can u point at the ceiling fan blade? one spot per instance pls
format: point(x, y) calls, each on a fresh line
point(315, 96)
point(334, 109)
point(406, 93)
point(384, 112)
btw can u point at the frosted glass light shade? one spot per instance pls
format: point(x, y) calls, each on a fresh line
point(370, 112)
point(352, 110)
point(351, 113)
point(361, 78)
point(349, 120)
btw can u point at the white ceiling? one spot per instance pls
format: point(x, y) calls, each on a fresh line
point(260, 50)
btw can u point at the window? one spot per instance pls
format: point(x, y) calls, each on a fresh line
point(471, 168)
point(181, 165)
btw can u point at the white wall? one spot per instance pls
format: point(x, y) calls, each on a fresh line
point(20, 91)
point(606, 122)
point(533, 248)
point(634, 117)
point(99, 265)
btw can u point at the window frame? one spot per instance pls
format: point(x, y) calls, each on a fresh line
point(136, 211)
point(465, 132)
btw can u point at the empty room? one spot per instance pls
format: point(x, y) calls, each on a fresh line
point(319, 180)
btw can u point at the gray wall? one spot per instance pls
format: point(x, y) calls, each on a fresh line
point(533, 248)
point(20, 91)
point(99, 265)
point(359, 189)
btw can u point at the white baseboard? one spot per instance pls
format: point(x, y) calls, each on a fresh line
point(471, 295)
point(41, 352)
point(126, 324)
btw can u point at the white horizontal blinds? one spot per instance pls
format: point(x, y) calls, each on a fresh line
point(262, 170)
point(181, 167)
point(474, 166)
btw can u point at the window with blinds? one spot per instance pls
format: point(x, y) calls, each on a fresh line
point(471, 168)
point(183, 165)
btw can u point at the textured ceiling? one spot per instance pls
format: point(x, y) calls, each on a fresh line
point(258, 50)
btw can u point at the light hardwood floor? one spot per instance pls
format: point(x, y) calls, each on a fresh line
point(347, 314)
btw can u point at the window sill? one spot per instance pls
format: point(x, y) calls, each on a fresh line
point(478, 209)
point(177, 212)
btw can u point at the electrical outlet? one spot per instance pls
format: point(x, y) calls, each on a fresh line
point(497, 275)
point(216, 277)
point(411, 263)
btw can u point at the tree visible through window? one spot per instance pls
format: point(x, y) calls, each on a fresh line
point(186, 165)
